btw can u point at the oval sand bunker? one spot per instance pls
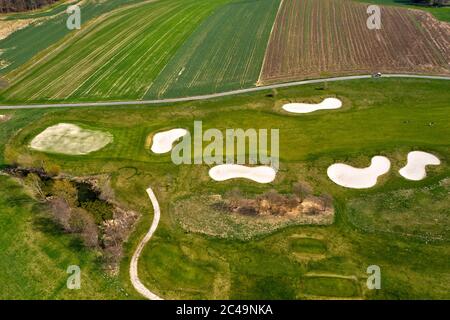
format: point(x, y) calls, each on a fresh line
point(163, 141)
point(329, 103)
point(415, 169)
point(359, 178)
point(262, 174)
point(70, 139)
point(4, 117)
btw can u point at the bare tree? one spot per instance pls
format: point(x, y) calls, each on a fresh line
point(33, 181)
point(61, 213)
point(302, 190)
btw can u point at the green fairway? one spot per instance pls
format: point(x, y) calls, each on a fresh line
point(218, 56)
point(387, 117)
point(115, 57)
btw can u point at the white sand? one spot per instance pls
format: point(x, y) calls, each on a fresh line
point(329, 103)
point(359, 178)
point(4, 117)
point(163, 141)
point(415, 169)
point(70, 139)
point(261, 174)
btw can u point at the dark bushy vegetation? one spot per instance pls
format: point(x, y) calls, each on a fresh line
point(7, 6)
point(80, 207)
point(301, 201)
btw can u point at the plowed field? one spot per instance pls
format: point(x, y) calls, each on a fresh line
point(316, 38)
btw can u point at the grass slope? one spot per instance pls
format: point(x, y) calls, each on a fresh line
point(224, 53)
point(22, 45)
point(387, 116)
point(34, 253)
point(116, 57)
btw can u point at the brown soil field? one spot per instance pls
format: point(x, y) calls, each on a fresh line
point(318, 38)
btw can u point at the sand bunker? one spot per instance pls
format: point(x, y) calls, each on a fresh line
point(262, 174)
point(4, 117)
point(415, 169)
point(357, 178)
point(329, 103)
point(163, 141)
point(70, 139)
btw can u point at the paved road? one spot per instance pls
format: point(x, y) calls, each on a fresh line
point(134, 276)
point(211, 96)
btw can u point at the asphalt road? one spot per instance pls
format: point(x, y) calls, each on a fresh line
point(210, 96)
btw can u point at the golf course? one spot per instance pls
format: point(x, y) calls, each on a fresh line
point(89, 119)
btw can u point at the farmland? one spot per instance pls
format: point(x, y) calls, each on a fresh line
point(391, 118)
point(117, 58)
point(321, 38)
point(46, 28)
point(282, 245)
point(218, 56)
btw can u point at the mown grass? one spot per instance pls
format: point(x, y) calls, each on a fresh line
point(308, 245)
point(330, 287)
point(218, 56)
point(388, 117)
point(116, 57)
point(24, 44)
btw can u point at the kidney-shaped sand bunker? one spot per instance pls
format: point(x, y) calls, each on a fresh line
point(70, 139)
point(163, 141)
point(415, 169)
point(359, 178)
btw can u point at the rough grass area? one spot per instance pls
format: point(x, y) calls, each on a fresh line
point(422, 213)
point(390, 117)
point(224, 53)
point(197, 214)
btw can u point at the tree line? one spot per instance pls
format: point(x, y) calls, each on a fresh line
point(7, 6)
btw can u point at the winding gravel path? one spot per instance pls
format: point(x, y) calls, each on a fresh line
point(134, 276)
point(214, 95)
